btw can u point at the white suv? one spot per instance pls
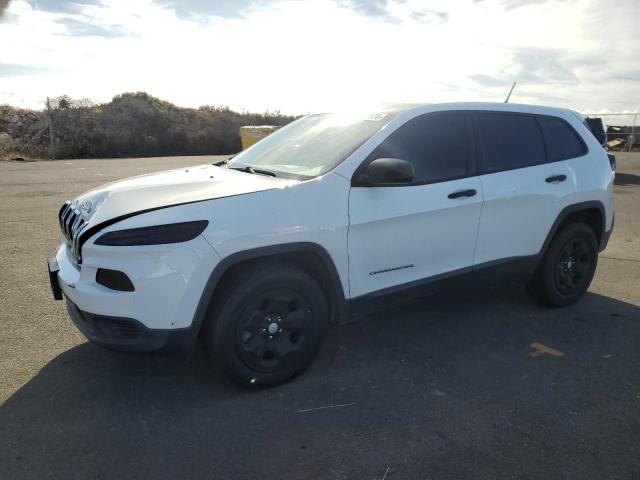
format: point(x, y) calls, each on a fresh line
point(257, 254)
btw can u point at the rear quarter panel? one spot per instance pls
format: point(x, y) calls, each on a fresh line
point(591, 174)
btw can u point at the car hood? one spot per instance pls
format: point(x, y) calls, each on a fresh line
point(172, 187)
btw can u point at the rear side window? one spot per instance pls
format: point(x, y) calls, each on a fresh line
point(509, 141)
point(562, 140)
point(436, 144)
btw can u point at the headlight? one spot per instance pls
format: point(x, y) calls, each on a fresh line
point(156, 235)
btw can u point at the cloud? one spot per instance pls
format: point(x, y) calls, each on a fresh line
point(394, 11)
point(15, 70)
point(62, 6)
point(368, 8)
point(430, 16)
point(531, 66)
point(309, 55)
point(79, 18)
point(385, 10)
point(488, 80)
point(629, 76)
point(86, 27)
point(186, 9)
point(540, 65)
point(192, 9)
point(513, 4)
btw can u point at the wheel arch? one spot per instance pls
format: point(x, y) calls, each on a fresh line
point(310, 257)
point(592, 213)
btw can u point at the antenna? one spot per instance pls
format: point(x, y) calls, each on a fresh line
point(510, 92)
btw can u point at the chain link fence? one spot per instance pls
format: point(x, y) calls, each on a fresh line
point(622, 130)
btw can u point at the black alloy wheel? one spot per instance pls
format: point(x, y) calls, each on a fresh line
point(572, 265)
point(272, 329)
point(568, 266)
point(267, 324)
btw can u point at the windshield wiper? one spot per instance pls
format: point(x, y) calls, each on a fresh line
point(255, 171)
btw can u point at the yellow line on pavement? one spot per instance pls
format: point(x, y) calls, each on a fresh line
point(544, 350)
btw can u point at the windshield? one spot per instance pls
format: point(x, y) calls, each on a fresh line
point(310, 146)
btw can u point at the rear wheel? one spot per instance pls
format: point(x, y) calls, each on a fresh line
point(568, 266)
point(268, 325)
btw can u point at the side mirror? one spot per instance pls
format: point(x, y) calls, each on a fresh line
point(384, 172)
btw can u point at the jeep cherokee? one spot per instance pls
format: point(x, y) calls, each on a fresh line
point(257, 254)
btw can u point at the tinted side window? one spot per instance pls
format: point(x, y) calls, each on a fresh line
point(436, 144)
point(509, 141)
point(561, 139)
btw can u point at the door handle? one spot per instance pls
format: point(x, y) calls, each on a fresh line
point(463, 193)
point(556, 179)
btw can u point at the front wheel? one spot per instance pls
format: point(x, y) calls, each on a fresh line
point(268, 324)
point(568, 266)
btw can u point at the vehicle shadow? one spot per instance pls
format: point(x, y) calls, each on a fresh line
point(443, 388)
point(626, 179)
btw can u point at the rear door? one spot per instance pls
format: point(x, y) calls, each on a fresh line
point(525, 183)
point(405, 233)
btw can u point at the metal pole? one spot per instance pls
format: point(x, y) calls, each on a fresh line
point(633, 130)
point(50, 115)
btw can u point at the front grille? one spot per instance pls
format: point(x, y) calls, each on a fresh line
point(71, 225)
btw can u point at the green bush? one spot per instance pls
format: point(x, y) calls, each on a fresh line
point(130, 125)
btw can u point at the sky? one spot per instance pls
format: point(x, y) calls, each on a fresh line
point(305, 56)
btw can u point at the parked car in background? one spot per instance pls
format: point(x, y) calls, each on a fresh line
point(596, 126)
point(255, 256)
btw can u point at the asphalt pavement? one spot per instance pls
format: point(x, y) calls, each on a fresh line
point(481, 383)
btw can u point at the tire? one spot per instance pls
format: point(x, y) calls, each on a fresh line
point(568, 266)
point(267, 326)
